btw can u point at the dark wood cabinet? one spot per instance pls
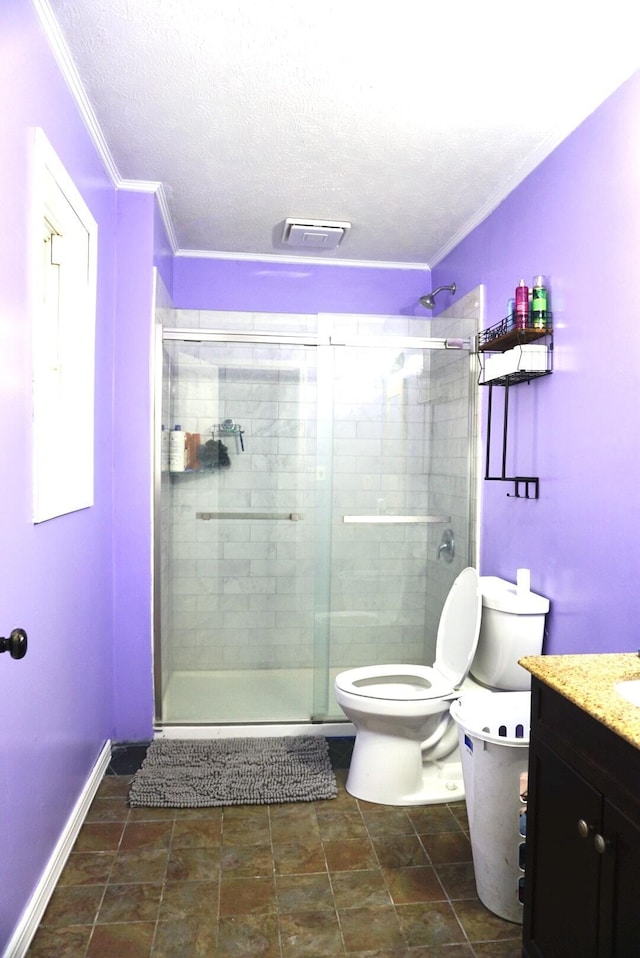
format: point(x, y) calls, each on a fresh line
point(582, 877)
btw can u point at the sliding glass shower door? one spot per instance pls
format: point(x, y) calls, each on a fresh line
point(299, 521)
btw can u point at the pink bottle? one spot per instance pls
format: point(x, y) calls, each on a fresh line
point(522, 305)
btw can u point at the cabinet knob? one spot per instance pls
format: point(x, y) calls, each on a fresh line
point(601, 844)
point(584, 829)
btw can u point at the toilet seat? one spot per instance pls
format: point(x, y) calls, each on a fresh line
point(456, 644)
point(399, 683)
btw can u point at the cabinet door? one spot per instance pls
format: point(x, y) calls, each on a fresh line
point(620, 884)
point(563, 868)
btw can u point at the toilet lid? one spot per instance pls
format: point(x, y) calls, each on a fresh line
point(459, 628)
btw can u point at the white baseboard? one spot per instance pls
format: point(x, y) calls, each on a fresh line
point(32, 915)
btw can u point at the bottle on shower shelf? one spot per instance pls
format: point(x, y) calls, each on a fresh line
point(522, 305)
point(539, 303)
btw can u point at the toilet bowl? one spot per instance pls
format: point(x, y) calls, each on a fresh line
point(406, 748)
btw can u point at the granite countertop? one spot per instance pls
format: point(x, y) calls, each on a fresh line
point(589, 682)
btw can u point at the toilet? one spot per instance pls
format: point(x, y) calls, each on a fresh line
point(406, 748)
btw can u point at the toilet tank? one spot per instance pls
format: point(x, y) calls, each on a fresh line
point(512, 626)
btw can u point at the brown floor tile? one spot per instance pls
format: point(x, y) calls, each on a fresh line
point(193, 864)
point(197, 833)
point(145, 865)
point(108, 810)
point(189, 899)
point(298, 858)
point(367, 928)
point(68, 942)
point(245, 861)
point(360, 889)
point(246, 896)
point(152, 814)
point(212, 813)
point(139, 902)
point(430, 819)
point(430, 924)
point(310, 934)
point(186, 938)
point(87, 868)
point(114, 786)
point(400, 851)
point(138, 835)
point(447, 847)
point(73, 905)
point(341, 826)
point(499, 949)
point(241, 936)
point(353, 855)
point(99, 837)
point(480, 924)
point(115, 941)
point(303, 827)
point(304, 892)
point(458, 880)
point(387, 822)
point(250, 829)
point(442, 951)
point(419, 883)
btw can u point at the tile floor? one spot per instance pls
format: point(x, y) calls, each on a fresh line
point(310, 880)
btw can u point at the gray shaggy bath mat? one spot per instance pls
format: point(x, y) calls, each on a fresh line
point(198, 773)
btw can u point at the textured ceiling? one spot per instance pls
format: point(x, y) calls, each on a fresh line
point(411, 120)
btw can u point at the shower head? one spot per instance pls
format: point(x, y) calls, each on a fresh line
point(429, 301)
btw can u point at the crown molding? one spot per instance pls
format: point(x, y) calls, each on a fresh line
point(71, 76)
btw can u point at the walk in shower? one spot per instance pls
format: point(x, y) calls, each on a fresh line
point(299, 516)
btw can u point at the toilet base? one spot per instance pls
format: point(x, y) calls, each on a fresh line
point(421, 782)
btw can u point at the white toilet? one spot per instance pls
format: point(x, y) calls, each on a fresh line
point(406, 748)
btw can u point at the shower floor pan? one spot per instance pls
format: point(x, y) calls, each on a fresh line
point(234, 699)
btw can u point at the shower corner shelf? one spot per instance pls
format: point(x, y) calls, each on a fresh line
point(509, 356)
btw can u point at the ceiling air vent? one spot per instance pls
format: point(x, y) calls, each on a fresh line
point(314, 234)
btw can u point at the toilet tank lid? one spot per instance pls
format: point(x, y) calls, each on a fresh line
point(501, 595)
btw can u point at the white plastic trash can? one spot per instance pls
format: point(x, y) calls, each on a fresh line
point(493, 731)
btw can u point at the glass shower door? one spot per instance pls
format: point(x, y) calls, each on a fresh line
point(401, 477)
point(242, 534)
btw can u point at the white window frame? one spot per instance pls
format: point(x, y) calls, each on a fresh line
point(65, 236)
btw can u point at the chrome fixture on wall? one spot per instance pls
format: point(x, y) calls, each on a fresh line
point(429, 301)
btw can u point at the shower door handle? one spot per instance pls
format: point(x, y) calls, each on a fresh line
point(405, 520)
point(290, 516)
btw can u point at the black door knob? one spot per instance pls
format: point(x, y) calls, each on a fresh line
point(15, 645)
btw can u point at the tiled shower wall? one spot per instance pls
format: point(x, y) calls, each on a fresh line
point(244, 593)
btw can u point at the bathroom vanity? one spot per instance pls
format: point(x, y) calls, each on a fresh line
point(582, 877)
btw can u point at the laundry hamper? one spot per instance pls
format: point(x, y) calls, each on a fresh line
point(493, 732)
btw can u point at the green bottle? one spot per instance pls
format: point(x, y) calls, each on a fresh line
point(539, 304)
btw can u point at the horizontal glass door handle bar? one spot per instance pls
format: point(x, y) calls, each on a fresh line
point(291, 516)
point(388, 519)
point(311, 339)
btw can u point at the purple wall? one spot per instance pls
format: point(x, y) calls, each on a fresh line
point(132, 470)
point(298, 288)
point(56, 704)
point(66, 580)
point(575, 219)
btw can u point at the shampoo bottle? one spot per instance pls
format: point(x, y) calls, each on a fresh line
point(539, 305)
point(522, 305)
